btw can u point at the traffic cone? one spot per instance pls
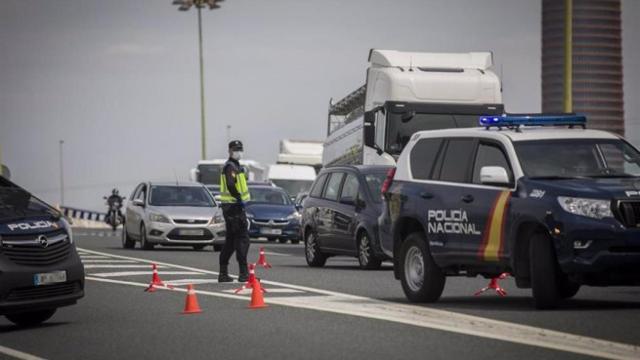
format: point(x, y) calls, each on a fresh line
point(493, 285)
point(191, 305)
point(156, 281)
point(252, 281)
point(262, 260)
point(257, 299)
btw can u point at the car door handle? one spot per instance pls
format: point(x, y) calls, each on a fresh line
point(426, 195)
point(467, 198)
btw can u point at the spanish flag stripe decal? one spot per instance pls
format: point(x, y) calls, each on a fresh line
point(493, 236)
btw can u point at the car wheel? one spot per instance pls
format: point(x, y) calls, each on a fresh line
point(365, 253)
point(144, 243)
point(544, 272)
point(296, 241)
point(568, 288)
point(217, 248)
point(31, 318)
point(198, 247)
point(422, 280)
point(271, 239)
point(282, 241)
point(127, 241)
point(314, 257)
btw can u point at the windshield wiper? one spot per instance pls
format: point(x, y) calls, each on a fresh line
point(612, 176)
point(557, 177)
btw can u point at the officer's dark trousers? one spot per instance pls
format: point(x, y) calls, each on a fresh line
point(237, 238)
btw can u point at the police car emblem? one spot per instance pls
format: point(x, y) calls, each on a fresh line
point(42, 241)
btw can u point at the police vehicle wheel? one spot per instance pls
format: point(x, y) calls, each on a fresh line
point(31, 318)
point(422, 280)
point(282, 241)
point(127, 241)
point(314, 257)
point(143, 238)
point(271, 239)
point(365, 254)
point(568, 288)
point(544, 272)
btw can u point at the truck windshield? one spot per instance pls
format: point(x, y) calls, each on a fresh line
point(195, 196)
point(18, 203)
point(293, 187)
point(578, 158)
point(209, 174)
point(399, 132)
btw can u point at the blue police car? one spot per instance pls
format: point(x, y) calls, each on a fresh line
point(539, 196)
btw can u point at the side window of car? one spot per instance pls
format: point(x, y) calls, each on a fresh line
point(423, 156)
point(134, 194)
point(317, 186)
point(490, 155)
point(333, 186)
point(142, 193)
point(350, 188)
point(457, 160)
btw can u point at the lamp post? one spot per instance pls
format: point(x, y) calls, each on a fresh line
point(185, 5)
point(60, 143)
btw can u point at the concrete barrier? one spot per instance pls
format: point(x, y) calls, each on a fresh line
point(82, 218)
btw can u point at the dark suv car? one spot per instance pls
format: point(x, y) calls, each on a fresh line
point(340, 215)
point(40, 269)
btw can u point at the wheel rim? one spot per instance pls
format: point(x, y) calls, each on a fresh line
point(311, 247)
point(364, 250)
point(414, 269)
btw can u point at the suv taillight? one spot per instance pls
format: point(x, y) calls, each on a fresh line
point(388, 181)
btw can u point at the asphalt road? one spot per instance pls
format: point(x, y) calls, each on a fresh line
point(338, 311)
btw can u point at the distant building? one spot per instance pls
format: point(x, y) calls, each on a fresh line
point(597, 61)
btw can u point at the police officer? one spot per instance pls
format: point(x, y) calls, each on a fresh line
point(234, 193)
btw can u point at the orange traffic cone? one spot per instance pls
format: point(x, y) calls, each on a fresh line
point(257, 299)
point(191, 305)
point(493, 285)
point(262, 260)
point(156, 281)
point(251, 281)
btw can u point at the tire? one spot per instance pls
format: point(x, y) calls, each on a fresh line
point(31, 318)
point(315, 258)
point(198, 247)
point(544, 272)
point(295, 242)
point(127, 241)
point(568, 288)
point(422, 280)
point(217, 248)
point(282, 241)
point(271, 239)
point(144, 244)
point(367, 260)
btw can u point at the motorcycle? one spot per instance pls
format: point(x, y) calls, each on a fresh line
point(114, 217)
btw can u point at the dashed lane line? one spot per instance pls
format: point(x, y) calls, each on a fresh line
point(143, 273)
point(425, 317)
point(107, 261)
point(117, 266)
point(16, 354)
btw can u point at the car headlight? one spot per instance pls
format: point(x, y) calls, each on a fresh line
point(295, 216)
point(593, 208)
point(217, 219)
point(158, 218)
point(67, 227)
point(250, 216)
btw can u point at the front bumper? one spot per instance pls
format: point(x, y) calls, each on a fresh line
point(289, 230)
point(170, 234)
point(19, 294)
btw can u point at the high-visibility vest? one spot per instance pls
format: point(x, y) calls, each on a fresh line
point(241, 187)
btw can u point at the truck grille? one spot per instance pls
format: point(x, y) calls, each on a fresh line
point(42, 292)
point(629, 213)
point(36, 255)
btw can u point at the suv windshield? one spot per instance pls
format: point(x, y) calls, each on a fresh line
point(180, 196)
point(400, 131)
point(268, 195)
point(18, 203)
point(578, 158)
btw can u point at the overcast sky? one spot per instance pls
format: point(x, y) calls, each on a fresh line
point(118, 80)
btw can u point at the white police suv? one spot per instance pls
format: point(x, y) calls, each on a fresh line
point(538, 196)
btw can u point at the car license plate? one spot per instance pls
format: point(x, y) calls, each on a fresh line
point(268, 231)
point(191, 232)
point(50, 278)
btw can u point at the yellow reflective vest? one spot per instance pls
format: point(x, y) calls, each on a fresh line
point(241, 187)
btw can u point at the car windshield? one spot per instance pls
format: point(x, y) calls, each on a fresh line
point(374, 183)
point(18, 203)
point(293, 187)
point(266, 195)
point(578, 158)
point(180, 196)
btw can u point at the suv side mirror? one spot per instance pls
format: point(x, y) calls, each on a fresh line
point(494, 175)
point(138, 202)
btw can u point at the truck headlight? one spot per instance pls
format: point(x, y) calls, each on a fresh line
point(593, 208)
point(158, 218)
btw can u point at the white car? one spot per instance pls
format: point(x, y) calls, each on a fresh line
point(173, 214)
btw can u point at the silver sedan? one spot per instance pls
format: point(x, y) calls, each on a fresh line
point(173, 214)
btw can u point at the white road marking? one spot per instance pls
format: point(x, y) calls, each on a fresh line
point(117, 266)
point(275, 253)
point(145, 273)
point(18, 354)
point(191, 281)
point(83, 257)
point(346, 304)
point(109, 261)
point(268, 291)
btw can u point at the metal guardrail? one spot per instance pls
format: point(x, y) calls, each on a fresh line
point(82, 214)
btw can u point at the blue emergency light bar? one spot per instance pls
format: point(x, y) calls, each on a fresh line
point(517, 120)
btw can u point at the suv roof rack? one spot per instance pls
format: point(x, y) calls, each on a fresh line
point(516, 121)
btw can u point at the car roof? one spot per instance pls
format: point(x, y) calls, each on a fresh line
point(522, 134)
point(175, 183)
point(359, 168)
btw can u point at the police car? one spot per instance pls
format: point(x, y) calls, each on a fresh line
point(40, 269)
point(539, 196)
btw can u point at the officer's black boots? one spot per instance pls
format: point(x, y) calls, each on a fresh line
point(244, 275)
point(224, 275)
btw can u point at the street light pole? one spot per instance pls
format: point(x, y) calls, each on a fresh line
point(61, 142)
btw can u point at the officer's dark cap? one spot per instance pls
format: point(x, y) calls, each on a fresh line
point(235, 145)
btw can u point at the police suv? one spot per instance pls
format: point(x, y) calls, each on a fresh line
point(40, 269)
point(538, 196)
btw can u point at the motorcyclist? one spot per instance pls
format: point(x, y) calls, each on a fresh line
point(114, 200)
